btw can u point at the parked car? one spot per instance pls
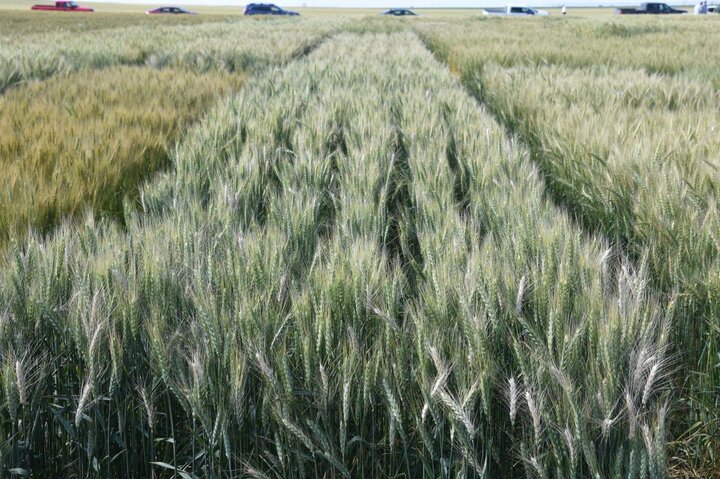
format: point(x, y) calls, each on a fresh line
point(650, 9)
point(713, 9)
point(267, 9)
point(511, 11)
point(170, 10)
point(63, 6)
point(400, 12)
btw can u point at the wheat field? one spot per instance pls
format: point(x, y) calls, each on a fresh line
point(350, 246)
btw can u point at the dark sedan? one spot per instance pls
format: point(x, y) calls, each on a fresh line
point(170, 11)
point(400, 12)
point(267, 9)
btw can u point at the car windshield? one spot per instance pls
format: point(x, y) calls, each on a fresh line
point(71, 4)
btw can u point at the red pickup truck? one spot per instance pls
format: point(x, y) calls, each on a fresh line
point(63, 6)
